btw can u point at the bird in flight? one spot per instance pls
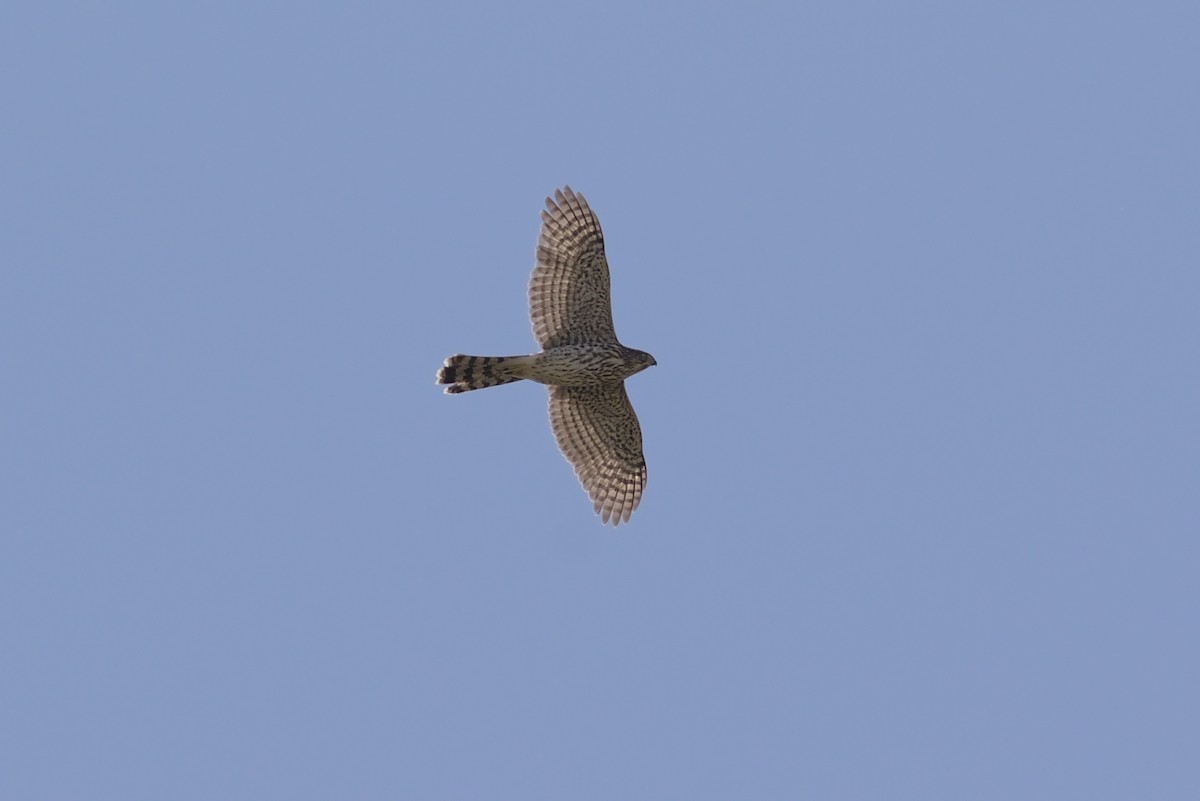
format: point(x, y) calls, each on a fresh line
point(581, 362)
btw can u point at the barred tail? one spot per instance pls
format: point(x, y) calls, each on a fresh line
point(465, 373)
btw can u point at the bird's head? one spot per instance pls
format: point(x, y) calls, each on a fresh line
point(638, 360)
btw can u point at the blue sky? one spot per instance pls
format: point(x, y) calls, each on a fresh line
point(922, 281)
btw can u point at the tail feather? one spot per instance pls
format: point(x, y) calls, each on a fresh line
point(465, 373)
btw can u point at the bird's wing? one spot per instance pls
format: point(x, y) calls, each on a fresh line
point(569, 290)
point(598, 433)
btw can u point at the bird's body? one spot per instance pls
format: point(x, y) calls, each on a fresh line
point(566, 366)
point(581, 362)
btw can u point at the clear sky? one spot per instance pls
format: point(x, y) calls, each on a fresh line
point(923, 284)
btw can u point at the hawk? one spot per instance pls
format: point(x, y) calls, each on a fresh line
point(581, 362)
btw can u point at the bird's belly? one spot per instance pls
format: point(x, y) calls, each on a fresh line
point(577, 365)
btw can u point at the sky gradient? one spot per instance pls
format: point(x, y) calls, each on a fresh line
point(922, 281)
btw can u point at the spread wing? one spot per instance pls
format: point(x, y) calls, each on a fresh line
point(598, 433)
point(569, 300)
